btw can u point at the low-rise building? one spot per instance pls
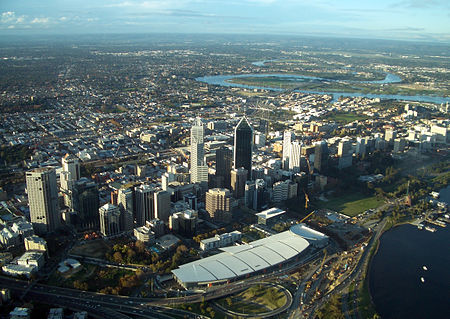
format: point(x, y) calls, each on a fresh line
point(219, 241)
point(144, 234)
point(270, 216)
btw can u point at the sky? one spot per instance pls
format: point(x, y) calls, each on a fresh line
point(427, 20)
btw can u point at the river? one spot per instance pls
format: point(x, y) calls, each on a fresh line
point(396, 271)
point(224, 80)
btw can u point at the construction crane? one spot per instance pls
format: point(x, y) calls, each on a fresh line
point(306, 200)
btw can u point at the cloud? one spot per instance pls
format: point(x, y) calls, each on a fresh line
point(9, 17)
point(40, 21)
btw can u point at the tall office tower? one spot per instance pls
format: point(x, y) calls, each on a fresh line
point(71, 164)
point(261, 196)
point(361, 148)
point(218, 204)
point(145, 207)
point(224, 161)
point(344, 147)
point(288, 137)
point(238, 180)
point(321, 156)
point(43, 200)
point(109, 220)
point(250, 193)
point(162, 205)
point(199, 171)
point(85, 202)
point(125, 203)
point(390, 135)
point(294, 157)
point(243, 139)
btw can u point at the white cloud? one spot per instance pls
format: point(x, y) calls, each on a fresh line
point(40, 20)
point(10, 17)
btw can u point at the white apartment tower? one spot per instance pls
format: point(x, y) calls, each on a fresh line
point(199, 171)
point(294, 157)
point(288, 137)
point(43, 200)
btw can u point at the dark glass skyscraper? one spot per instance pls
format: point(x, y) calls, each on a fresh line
point(224, 160)
point(243, 140)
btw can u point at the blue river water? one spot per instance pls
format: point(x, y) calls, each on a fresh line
point(224, 80)
point(396, 271)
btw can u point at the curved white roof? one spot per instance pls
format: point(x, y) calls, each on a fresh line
point(237, 261)
point(307, 233)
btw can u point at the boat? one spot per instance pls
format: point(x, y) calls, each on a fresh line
point(425, 268)
point(422, 279)
point(431, 229)
point(420, 226)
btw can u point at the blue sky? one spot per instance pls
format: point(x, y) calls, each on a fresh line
point(389, 19)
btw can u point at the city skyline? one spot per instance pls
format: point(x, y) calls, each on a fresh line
point(420, 20)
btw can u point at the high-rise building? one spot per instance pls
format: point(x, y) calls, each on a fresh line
point(224, 160)
point(199, 171)
point(361, 148)
point(125, 203)
point(243, 140)
point(43, 200)
point(344, 147)
point(288, 138)
point(390, 135)
point(218, 204)
point(250, 193)
point(145, 207)
point(109, 220)
point(321, 156)
point(238, 180)
point(162, 205)
point(71, 164)
point(85, 202)
point(294, 157)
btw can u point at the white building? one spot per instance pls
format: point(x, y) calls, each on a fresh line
point(288, 137)
point(294, 157)
point(144, 234)
point(35, 243)
point(199, 171)
point(219, 241)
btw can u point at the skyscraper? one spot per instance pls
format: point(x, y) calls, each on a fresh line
point(218, 204)
point(109, 220)
point(238, 180)
point(243, 139)
point(125, 203)
point(224, 160)
point(199, 171)
point(85, 202)
point(145, 207)
point(288, 137)
point(321, 156)
point(71, 164)
point(294, 157)
point(162, 205)
point(43, 200)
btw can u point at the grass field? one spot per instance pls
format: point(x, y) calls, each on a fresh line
point(256, 299)
point(351, 204)
point(94, 249)
point(346, 117)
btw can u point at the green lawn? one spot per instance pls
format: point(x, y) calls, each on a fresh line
point(256, 299)
point(346, 117)
point(351, 204)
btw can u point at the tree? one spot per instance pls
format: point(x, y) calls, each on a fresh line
point(140, 246)
point(117, 257)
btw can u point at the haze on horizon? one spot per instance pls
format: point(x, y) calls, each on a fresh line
point(421, 20)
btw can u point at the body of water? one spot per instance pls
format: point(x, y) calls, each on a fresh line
point(397, 268)
point(224, 80)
